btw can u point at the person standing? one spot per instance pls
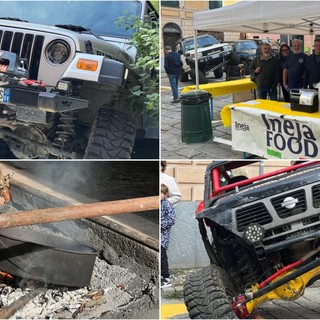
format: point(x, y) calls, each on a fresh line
point(312, 70)
point(294, 67)
point(174, 195)
point(167, 221)
point(172, 66)
point(265, 70)
point(284, 52)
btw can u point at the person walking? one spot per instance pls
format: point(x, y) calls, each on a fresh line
point(167, 221)
point(312, 70)
point(172, 66)
point(292, 77)
point(264, 70)
point(283, 53)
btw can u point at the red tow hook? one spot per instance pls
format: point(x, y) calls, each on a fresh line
point(240, 307)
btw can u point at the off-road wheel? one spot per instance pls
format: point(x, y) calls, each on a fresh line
point(202, 77)
point(184, 77)
point(112, 135)
point(218, 73)
point(207, 294)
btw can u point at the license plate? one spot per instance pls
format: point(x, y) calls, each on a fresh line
point(4, 95)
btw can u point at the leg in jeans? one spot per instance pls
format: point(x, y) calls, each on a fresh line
point(262, 93)
point(174, 85)
point(164, 263)
point(272, 93)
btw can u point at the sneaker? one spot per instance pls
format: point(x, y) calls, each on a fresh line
point(175, 101)
point(166, 282)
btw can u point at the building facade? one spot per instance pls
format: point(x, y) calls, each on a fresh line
point(189, 174)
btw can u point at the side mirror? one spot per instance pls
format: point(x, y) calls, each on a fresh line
point(180, 51)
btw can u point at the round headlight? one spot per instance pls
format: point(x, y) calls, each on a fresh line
point(58, 51)
point(253, 233)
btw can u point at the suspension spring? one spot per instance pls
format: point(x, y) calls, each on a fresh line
point(66, 130)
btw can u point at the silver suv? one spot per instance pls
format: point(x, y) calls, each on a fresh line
point(78, 104)
point(212, 56)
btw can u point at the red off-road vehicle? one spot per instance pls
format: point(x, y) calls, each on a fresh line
point(262, 237)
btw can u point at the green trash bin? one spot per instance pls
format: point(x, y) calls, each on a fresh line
point(195, 116)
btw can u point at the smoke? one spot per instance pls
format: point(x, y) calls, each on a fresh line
point(100, 180)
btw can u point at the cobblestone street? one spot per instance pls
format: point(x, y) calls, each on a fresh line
point(171, 145)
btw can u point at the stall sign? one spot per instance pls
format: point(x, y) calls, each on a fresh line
point(271, 135)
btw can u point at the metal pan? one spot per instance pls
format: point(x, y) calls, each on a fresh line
point(46, 257)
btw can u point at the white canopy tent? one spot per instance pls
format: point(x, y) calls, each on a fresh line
point(268, 17)
point(273, 17)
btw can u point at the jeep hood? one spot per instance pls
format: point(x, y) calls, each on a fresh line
point(221, 210)
point(104, 46)
point(209, 48)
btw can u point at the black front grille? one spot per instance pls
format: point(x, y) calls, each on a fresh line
point(299, 201)
point(25, 45)
point(256, 213)
point(316, 196)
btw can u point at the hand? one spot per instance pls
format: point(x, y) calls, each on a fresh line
point(286, 87)
point(258, 69)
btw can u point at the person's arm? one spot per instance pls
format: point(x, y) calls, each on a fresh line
point(284, 78)
point(166, 63)
point(174, 193)
point(306, 75)
point(167, 215)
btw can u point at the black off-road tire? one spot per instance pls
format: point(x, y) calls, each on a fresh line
point(218, 73)
point(184, 77)
point(202, 77)
point(112, 135)
point(207, 294)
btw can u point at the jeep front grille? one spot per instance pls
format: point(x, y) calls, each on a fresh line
point(25, 45)
point(299, 206)
point(256, 213)
point(316, 196)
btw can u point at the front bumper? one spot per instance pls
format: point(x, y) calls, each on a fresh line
point(44, 101)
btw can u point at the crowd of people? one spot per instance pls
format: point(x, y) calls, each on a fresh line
point(293, 69)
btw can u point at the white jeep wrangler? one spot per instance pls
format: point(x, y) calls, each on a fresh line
point(79, 103)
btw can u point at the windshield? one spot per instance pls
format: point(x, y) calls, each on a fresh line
point(201, 42)
point(245, 45)
point(99, 16)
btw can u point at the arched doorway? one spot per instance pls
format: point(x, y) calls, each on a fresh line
point(171, 33)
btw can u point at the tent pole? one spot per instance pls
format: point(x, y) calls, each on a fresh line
point(196, 59)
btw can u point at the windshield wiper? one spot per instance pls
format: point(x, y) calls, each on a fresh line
point(79, 29)
point(13, 19)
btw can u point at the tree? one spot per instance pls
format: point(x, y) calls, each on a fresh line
point(146, 40)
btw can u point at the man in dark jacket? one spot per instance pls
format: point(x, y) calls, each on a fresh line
point(312, 71)
point(172, 65)
point(265, 70)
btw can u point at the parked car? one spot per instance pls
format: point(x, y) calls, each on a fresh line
point(246, 49)
point(275, 46)
point(212, 56)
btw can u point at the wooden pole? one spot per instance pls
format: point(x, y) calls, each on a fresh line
point(24, 218)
